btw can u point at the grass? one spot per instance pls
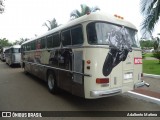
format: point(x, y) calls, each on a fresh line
point(151, 67)
point(148, 55)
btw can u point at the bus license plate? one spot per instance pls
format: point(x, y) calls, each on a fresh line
point(128, 76)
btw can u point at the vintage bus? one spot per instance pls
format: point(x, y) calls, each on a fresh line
point(13, 55)
point(2, 54)
point(94, 56)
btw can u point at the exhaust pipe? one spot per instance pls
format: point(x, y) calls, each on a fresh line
point(141, 84)
point(147, 84)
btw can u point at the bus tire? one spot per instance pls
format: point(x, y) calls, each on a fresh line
point(52, 83)
point(25, 71)
point(10, 64)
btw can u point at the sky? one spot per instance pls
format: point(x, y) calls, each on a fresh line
point(24, 18)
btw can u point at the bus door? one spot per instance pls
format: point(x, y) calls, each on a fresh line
point(119, 68)
point(122, 74)
point(65, 65)
point(78, 79)
point(37, 69)
point(128, 70)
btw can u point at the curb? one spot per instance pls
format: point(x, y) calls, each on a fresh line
point(151, 75)
point(144, 97)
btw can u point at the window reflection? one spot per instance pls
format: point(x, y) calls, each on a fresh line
point(99, 32)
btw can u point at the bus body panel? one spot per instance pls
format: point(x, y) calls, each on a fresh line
point(2, 55)
point(91, 69)
point(13, 55)
point(116, 77)
point(68, 60)
point(58, 58)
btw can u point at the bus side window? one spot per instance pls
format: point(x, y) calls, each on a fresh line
point(22, 48)
point(77, 35)
point(27, 47)
point(33, 45)
point(43, 43)
point(56, 40)
point(66, 38)
point(19, 50)
point(49, 42)
point(91, 33)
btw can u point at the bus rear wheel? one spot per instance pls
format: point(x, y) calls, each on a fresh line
point(10, 63)
point(24, 67)
point(52, 85)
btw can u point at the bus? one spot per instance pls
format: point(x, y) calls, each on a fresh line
point(94, 56)
point(2, 54)
point(13, 55)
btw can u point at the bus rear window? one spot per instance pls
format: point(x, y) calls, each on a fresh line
point(16, 50)
point(98, 33)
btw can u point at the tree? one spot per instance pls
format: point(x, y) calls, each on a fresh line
point(146, 43)
point(19, 42)
point(156, 52)
point(156, 43)
point(150, 9)
point(84, 10)
point(1, 6)
point(51, 24)
point(4, 42)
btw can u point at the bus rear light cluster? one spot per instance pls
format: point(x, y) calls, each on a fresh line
point(102, 80)
point(88, 62)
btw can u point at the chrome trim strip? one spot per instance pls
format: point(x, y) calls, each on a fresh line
point(105, 93)
point(68, 47)
point(89, 46)
point(77, 47)
point(73, 72)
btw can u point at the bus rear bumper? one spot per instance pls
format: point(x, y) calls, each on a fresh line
point(141, 84)
point(105, 93)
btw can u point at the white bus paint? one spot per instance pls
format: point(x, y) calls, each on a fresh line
point(91, 56)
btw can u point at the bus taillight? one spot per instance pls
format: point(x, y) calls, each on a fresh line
point(102, 80)
point(88, 62)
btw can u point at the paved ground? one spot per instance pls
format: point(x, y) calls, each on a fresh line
point(153, 90)
point(20, 92)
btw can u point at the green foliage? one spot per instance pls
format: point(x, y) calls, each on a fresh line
point(156, 43)
point(143, 55)
point(2, 6)
point(146, 43)
point(150, 10)
point(149, 55)
point(19, 42)
point(4, 42)
point(151, 67)
point(51, 24)
point(156, 54)
point(84, 10)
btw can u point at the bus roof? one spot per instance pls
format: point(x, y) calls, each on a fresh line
point(14, 46)
point(95, 16)
point(4, 48)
